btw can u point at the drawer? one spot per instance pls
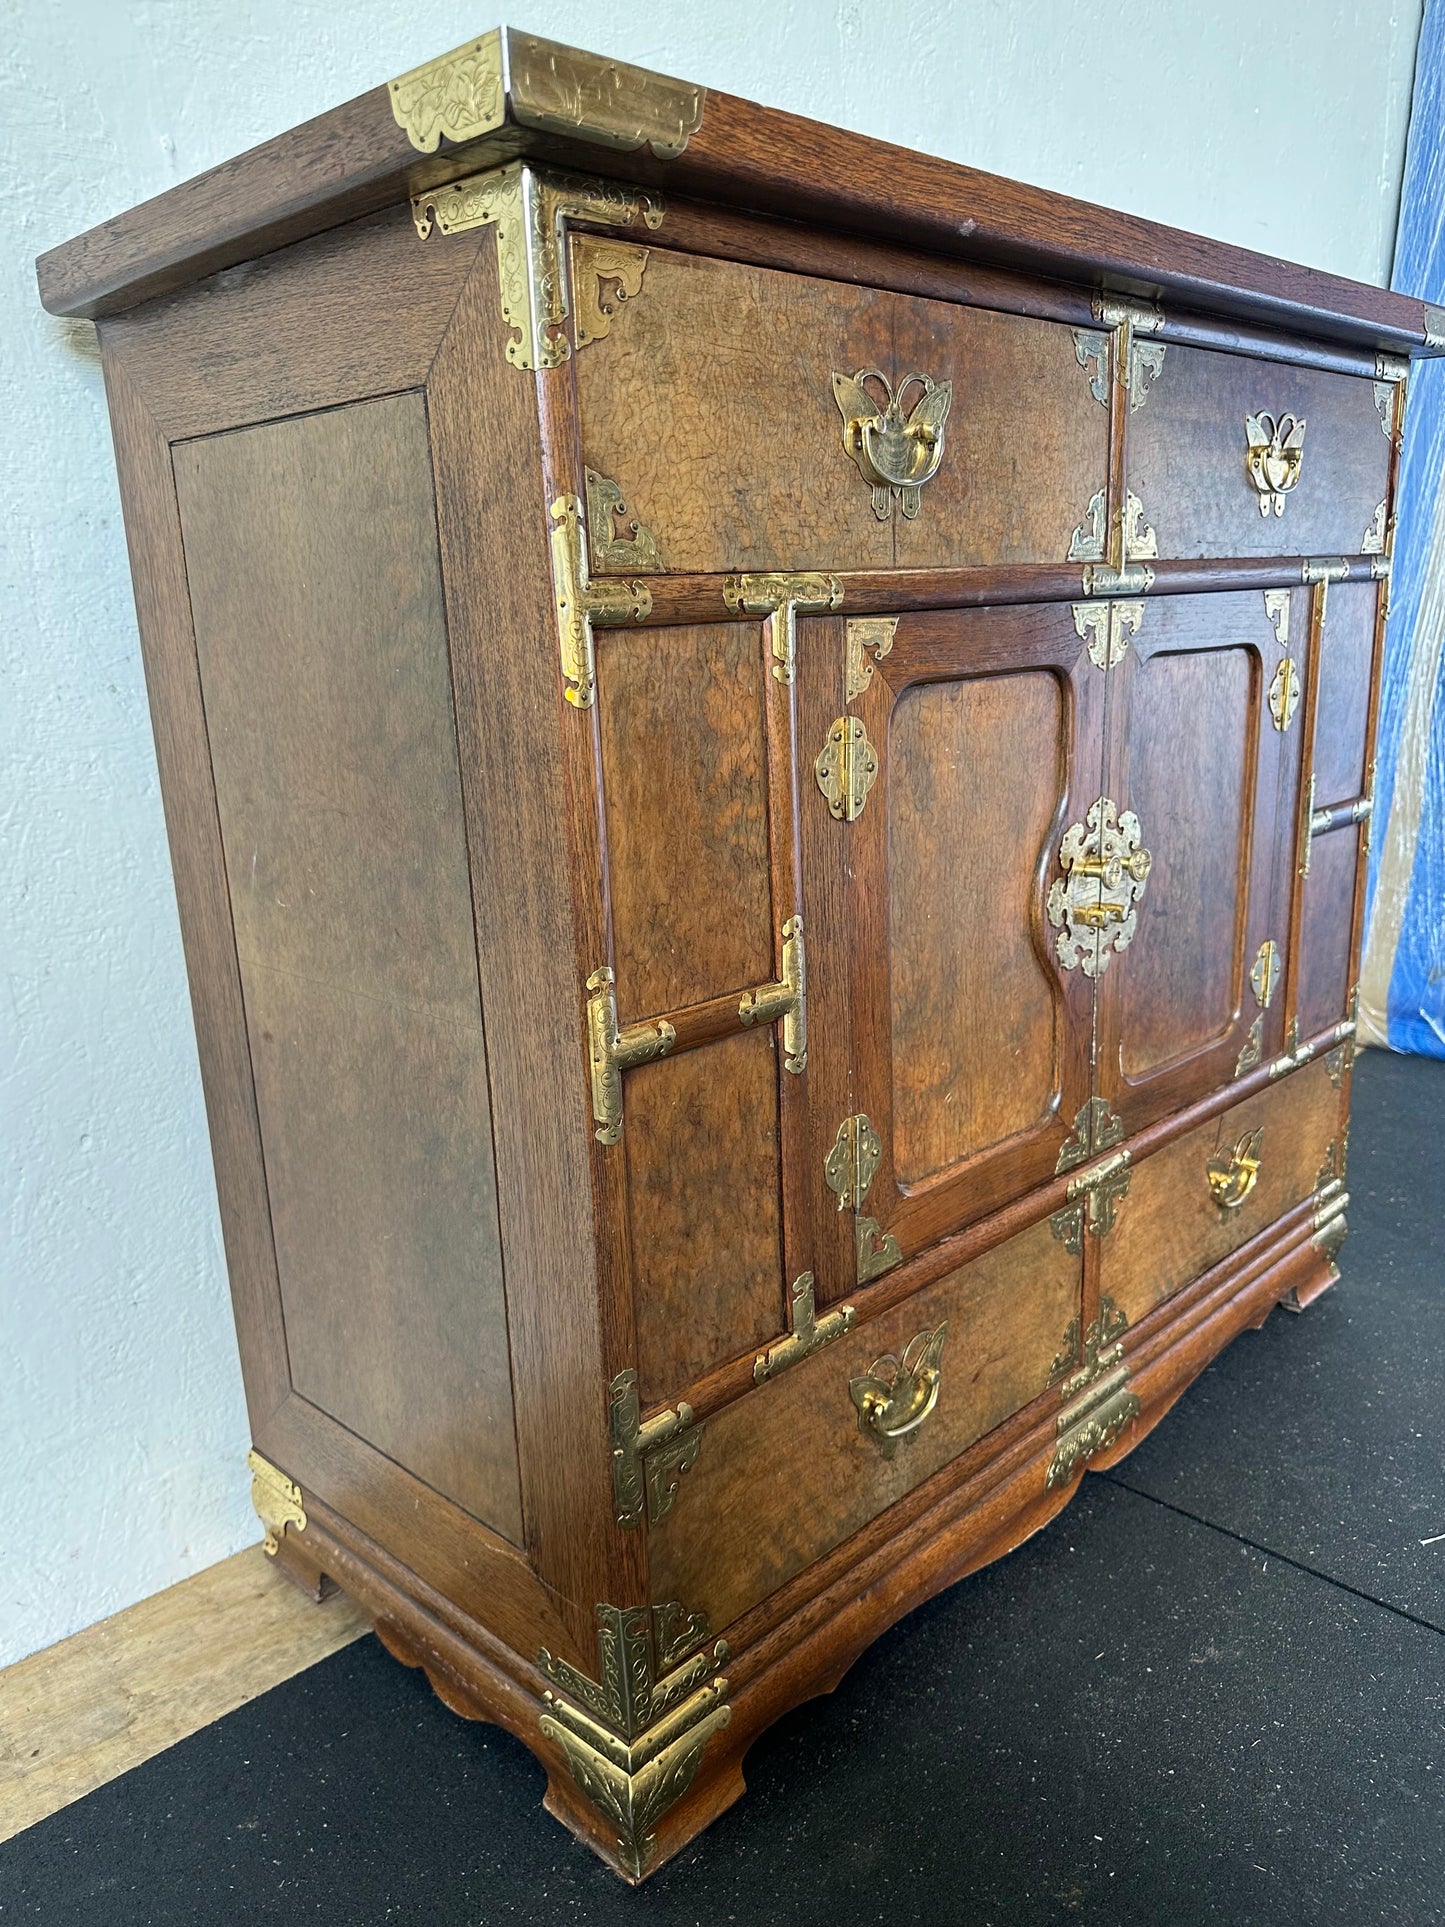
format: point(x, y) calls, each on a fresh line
point(710, 401)
point(1190, 448)
point(1169, 1229)
point(787, 1472)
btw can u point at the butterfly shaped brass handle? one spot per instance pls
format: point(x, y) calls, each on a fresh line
point(1234, 1170)
point(896, 453)
point(1276, 447)
point(895, 1395)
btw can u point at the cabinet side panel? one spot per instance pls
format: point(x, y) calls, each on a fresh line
point(315, 585)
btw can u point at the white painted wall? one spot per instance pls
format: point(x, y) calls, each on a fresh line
point(122, 1429)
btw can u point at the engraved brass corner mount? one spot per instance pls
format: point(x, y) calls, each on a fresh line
point(276, 1499)
point(611, 1050)
point(895, 1395)
point(1135, 545)
point(787, 999)
point(1092, 905)
point(1100, 1403)
point(894, 452)
point(807, 1333)
point(582, 601)
point(615, 537)
point(1276, 609)
point(648, 1459)
point(633, 1738)
point(1274, 454)
point(1106, 628)
point(1233, 1169)
point(848, 1171)
point(865, 633)
point(1094, 1196)
point(1096, 1130)
point(781, 599)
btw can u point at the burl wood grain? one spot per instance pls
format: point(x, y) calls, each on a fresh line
point(1187, 448)
point(972, 778)
point(1169, 1229)
point(710, 402)
point(684, 788)
point(1347, 640)
point(702, 1138)
point(784, 1474)
point(1327, 914)
point(312, 559)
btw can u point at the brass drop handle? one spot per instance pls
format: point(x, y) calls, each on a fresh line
point(895, 1395)
point(1273, 456)
point(1234, 1170)
point(894, 453)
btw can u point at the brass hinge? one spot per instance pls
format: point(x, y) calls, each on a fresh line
point(781, 598)
point(276, 1499)
point(1100, 1402)
point(1264, 973)
point(807, 1333)
point(648, 1459)
point(846, 768)
point(787, 999)
point(1094, 1197)
point(633, 1737)
point(848, 1170)
point(611, 1051)
point(1284, 693)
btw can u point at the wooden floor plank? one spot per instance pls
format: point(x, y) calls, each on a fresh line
point(78, 1713)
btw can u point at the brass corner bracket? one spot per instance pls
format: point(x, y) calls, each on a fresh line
point(807, 1333)
point(1096, 1130)
point(615, 537)
point(466, 93)
point(865, 633)
point(611, 1050)
point(779, 600)
point(786, 999)
point(648, 1459)
point(1106, 628)
point(1100, 1403)
point(581, 601)
point(848, 1170)
point(277, 1500)
point(634, 1737)
point(1094, 1196)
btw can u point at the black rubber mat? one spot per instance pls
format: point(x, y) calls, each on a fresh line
point(1138, 1719)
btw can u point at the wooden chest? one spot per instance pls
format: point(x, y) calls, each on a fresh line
point(768, 750)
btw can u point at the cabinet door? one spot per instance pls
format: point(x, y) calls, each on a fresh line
point(977, 734)
point(1201, 760)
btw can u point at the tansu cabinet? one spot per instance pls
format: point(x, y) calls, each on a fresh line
point(768, 749)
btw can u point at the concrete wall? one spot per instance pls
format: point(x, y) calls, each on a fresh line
point(122, 1429)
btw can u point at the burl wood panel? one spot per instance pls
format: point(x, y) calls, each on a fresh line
point(1187, 450)
point(1347, 641)
point(702, 1138)
point(1169, 1229)
point(1190, 763)
point(312, 559)
point(684, 787)
point(710, 401)
point(1325, 962)
point(784, 1473)
point(971, 790)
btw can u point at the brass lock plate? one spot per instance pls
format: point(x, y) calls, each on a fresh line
point(1092, 905)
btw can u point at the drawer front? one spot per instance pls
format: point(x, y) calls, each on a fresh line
point(711, 403)
point(1203, 464)
point(1170, 1228)
point(789, 1471)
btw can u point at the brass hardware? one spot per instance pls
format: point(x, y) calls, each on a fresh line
point(1434, 325)
point(1233, 1170)
point(1144, 360)
point(1096, 1129)
point(635, 1737)
point(1135, 578)
point(604, 275)
point(1391, 368)
point(865, 633)
point(1140, 542)
point(1372, 542)
point(1284, 693)
point(276, 1499)
point(1274, 453)
point(1329, 1172)
point(1100, 1402)
point(1331, 1202)
point(1276, 609)
point(1092, 346)
point(780, 599)
point(787, 999)
point(1114, 310)
point(848, 1170)
point(1307, 826)
point(1338, 1063)
point(807, 1333)
point(1107, 627)
point(894, 453)
point(1252, 1048)
point(1324, 568)
point(611, 1051)
point(530, 208)
point(457, 97)
point(1067, 1357)
point(846, 768)
point(1297, 1054)
point(895, 1395)
point(1086, 544)
point(1385, 409)
point(648, 1460)
point(1101, 1348)
point(1380, 568)
point(1092, 905)
point(1146, 364)
point(581, 601)
point(1093, 1200)
point(633, 548)
point(1264, 972)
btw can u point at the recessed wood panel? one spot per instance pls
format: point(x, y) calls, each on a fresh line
point(784, 1473)
point(684, 784)
point(1188, 450)
point(1346, 644)
point(704, 1207)
point(1325, 961)
point(973, 776)
point(1190, 730)
point(312, 562)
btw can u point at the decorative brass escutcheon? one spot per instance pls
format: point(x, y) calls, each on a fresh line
point(1273, 457)
point(895, 453)
point(1092, 905)
point(1234, 1170)
point(895, 1395)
